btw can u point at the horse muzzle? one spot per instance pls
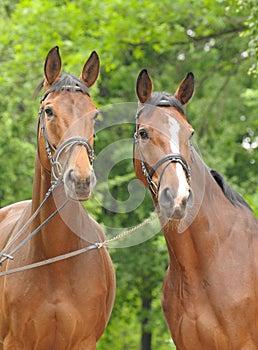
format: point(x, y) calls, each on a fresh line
point(78, 188)
point(174, 207)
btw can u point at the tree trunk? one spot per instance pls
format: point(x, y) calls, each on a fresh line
point(146, 333)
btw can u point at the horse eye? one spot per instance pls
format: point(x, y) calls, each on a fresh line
point(143, 134)
point(49, 112)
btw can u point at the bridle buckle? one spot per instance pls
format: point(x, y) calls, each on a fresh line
point(154, 188)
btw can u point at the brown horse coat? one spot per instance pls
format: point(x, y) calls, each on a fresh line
point(210, 291)
point(67, 304)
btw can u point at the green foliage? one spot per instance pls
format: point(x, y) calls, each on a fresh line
point(251, 30)
point(217, 40)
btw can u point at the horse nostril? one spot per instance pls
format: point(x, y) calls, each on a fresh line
point(71, 176)
point(78, 181)
point(166, 199)
point(190, 200)
point(184, 202)
point(87, 181)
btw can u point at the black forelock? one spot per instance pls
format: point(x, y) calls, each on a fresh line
point(162, 99)
point(66, 82)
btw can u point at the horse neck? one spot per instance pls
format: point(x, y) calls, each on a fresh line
point(191, 242)
point(56, 237)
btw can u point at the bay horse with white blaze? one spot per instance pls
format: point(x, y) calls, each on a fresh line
point(66, 304)
point(210, 291)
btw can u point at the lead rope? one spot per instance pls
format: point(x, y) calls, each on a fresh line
point(97, 245)
point(127, 232)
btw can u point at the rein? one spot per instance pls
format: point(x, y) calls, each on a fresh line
point(57, 171)
point(97, 245)
point(168, 159)
point(4, 256)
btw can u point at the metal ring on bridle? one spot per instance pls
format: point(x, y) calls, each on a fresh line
point(68, 145)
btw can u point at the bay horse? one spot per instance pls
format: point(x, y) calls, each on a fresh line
point(210, 291)
point(66, 304)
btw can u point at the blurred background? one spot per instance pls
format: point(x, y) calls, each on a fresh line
point(215, 39)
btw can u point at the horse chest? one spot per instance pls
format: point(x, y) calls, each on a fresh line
point(209, 315)
point(47, 326)
point(44, 314)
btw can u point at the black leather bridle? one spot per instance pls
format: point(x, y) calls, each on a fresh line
point(168, 159)
point(68, 145)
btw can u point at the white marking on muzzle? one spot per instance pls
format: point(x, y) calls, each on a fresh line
point(183, 187)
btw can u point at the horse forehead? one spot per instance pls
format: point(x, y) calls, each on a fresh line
point(71, 101)
point(165, 121)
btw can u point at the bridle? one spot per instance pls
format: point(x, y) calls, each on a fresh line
point(58, 171)
point(68, 145)
point(147, 171)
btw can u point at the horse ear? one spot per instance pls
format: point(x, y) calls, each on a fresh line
point(143, 86)
point(90, 70)
point(185, 89)
point(53, 65)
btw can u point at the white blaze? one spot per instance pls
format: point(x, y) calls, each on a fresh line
point(174, 127)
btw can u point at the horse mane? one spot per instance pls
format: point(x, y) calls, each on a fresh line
point(229, 193)
point(165, 99)
point(66, 82)
point(160, 99)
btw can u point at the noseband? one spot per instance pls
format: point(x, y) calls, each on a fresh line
point(168, 159)
point(66, 146)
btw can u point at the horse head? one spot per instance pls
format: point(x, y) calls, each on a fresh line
point(162, 145)
point(66, 125)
